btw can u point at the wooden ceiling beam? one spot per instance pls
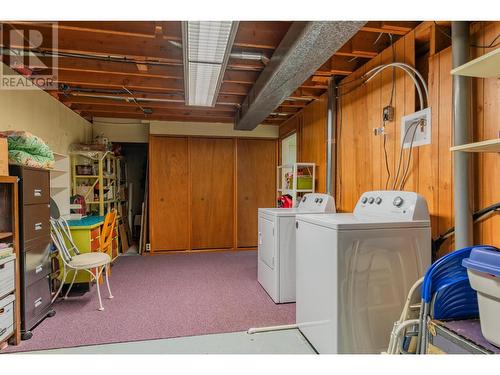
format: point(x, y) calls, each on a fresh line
point(73, 78)
point(223, 119)
point(131, 47)
point(245, 77)
point(260, 34)
point(156, 111)
point(170, 30)
point(396, 28)
point(250, 65)
point(151, 104)
point(109, 67)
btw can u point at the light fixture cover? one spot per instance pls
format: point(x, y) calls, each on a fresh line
point(206, 46)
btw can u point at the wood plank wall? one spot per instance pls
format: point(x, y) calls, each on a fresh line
point(310, 126)
point(360, 155)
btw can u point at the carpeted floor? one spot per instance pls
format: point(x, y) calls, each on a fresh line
point(165, 296)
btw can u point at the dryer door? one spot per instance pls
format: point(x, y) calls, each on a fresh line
point(267, 246)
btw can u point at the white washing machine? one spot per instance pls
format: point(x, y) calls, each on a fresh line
point(276, 245)
point(354, 270)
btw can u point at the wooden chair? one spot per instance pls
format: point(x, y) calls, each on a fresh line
point(107, 233)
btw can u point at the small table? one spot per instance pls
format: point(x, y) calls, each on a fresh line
point(461, 337)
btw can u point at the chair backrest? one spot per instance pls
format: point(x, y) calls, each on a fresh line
point(62, 239)
point(107, 230)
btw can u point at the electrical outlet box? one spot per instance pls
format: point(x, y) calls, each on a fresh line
point(148, 247)
point(422, 135)
point(388, 113)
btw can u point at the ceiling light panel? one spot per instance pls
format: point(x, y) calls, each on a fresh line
point(206, 46)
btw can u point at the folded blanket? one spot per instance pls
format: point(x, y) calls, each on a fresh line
point(28, 149)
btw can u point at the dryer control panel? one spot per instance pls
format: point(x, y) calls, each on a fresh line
point(317, 202)
point(392, 204)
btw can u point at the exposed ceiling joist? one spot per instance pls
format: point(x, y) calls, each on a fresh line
point(305, 47)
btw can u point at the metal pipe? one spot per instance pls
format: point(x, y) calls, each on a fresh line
point(331, 139)
point(462, 134)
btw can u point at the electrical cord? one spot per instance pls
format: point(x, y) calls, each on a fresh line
point(401, 150)
point(476, 217)
point(405, 173)
point(391, 100)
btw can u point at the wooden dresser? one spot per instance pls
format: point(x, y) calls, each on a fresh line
point(34, 216)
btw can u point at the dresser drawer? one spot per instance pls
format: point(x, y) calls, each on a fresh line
point(36, 260)
point(7, 275)
point(36, 301)
point(36, 222)
point(35, 185)
point(6, 316)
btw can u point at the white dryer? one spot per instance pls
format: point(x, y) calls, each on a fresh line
point(354, 270)
point(276, 245)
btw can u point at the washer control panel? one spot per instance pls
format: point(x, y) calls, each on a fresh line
point(392, 204)
point(317, 202)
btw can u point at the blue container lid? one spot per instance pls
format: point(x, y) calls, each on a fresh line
point(484, 259)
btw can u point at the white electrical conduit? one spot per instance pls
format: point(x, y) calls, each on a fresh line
point(409, 70)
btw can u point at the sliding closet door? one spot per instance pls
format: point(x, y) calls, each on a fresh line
point(256, 182)
point(168, 193)
point(212, 193)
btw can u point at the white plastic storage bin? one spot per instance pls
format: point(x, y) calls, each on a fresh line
point(483, 269)
point(6, 316)
point(7, 275)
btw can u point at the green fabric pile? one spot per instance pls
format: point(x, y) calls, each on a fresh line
point(28, 149)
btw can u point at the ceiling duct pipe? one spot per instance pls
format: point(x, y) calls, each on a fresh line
point(331, 139)
point(242, 55)
point(462, 134)
point(304, 48)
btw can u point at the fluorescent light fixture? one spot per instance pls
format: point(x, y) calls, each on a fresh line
point(206, 49)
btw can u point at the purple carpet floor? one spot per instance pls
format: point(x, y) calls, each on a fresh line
point(164, 296)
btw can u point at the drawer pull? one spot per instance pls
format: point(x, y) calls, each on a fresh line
point(37, 192)
point(2, 266)
point(3, 331)
point(38, 302)
point(38, 226)
point(2, 310)
point(39, 268)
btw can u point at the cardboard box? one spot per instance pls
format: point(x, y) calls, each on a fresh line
point(4, 157)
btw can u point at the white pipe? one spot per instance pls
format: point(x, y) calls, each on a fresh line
point(400, 65)
point(251, 331)
point(375, 71)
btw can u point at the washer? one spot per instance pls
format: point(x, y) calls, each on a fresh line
point(276, 245)
point(354, 270)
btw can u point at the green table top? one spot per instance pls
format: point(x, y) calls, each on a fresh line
point(87, 222)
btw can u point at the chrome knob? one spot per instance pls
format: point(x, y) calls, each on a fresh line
point(398, 201)
point(370, 200)
point(364, 200)
point(378, 200)
point(320, 200)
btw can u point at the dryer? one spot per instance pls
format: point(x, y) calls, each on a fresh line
point(354, 270)
point(276, 244)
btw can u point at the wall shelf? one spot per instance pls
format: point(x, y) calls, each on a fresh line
point(60, 183)
point(5, 235)
point(492, 145)
point(485, 66)
point(288, 177)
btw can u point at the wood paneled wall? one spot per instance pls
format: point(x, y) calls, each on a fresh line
point(486, 119)
point(310, 126)
point(360, 155)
